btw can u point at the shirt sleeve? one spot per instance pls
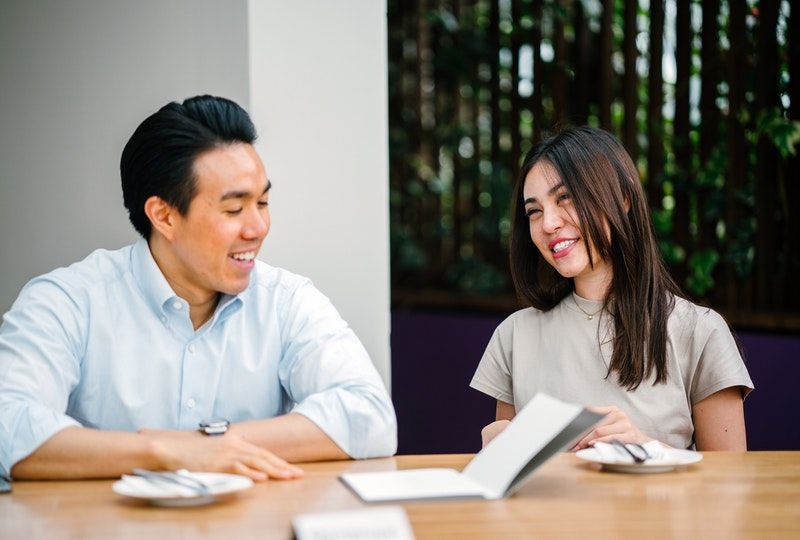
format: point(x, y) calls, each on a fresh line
point(39, 367)
point(493, 376)
point(327, 372)
point(719, 362)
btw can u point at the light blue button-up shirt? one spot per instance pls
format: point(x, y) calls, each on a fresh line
point(106, 344)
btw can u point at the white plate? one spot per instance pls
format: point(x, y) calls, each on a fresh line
point(672, 458)
point(221, 485)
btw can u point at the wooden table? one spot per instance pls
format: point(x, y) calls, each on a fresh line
point(727, 495)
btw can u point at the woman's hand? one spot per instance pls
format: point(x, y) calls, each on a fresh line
point(614, 425)
point(493, 430)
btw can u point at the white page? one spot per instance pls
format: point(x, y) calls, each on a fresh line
point(542, 428)
point(386, 523)
point(439, 483)
point(538, 423)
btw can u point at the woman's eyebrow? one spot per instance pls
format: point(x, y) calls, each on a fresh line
point(551, 191)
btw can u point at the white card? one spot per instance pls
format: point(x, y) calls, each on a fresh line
point(385, 523)
point(414, 484)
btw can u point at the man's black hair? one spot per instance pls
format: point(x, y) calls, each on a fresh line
point(159, 157)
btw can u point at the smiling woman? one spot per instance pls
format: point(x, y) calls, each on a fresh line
point(555, 232)
point(607, 326)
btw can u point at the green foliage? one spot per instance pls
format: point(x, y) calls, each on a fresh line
point(781, 131)
point(741, 251)
point(473, 276)
point(458, 132)
point(407, 255)
point(701, 277)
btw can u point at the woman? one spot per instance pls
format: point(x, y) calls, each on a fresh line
point(608, 328)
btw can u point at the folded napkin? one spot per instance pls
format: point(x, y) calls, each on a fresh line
point(150, 487)
point(609, 453)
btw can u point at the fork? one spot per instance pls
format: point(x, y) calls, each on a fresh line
point(175, 478)
point(640, 456)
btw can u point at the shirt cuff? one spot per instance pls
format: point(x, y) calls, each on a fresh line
point(361, 423)
point(24, 427)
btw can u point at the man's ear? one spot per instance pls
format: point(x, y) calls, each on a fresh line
point(162, 216)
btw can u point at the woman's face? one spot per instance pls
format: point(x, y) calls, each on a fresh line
point(556, 232)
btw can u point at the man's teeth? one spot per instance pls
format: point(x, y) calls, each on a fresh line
point(563, 245)
point(247, 256)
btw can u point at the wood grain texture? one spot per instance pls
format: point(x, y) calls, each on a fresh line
point(727, 495)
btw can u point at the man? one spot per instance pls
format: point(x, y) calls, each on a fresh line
point(140, 357)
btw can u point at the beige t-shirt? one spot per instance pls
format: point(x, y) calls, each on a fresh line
point(564, 353)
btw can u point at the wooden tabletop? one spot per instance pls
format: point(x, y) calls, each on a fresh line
point(727, 495)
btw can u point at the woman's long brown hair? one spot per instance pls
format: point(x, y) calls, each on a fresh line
point(605, 188)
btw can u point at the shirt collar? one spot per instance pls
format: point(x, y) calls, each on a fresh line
point(148, 276)
point(156, 289)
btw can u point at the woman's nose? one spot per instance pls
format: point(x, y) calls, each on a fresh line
point(552, 219)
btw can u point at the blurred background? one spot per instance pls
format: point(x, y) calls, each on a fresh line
point(706, 98)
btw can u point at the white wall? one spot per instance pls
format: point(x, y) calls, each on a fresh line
point(318, 89)
point(77, 77)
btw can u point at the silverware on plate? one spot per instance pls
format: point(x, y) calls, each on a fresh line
point(175, 478)
point(638, 452)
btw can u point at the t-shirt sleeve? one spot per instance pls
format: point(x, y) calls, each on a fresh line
point(719, 362)
point(493, 376)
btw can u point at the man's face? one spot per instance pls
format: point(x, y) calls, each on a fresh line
point(215, 244)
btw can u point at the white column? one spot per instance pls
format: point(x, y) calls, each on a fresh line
point(318, 95)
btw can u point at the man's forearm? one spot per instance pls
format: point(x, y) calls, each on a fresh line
point(86, 453)
point(77, 452)
point(292, 436)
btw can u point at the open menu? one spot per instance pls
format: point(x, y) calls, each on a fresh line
point(541, 429)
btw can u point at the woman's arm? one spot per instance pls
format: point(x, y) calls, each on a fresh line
point(719, 421)
point(505, 412)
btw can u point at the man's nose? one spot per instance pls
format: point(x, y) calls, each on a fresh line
point(257, 225)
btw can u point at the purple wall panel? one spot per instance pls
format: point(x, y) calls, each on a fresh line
point(434, 356)
point(772, 410)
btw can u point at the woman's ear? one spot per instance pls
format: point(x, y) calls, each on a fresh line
point(161, 215)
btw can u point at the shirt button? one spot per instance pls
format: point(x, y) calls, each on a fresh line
point(191, 403)
point(191, 347)
point(176, 304)
point(164, 319)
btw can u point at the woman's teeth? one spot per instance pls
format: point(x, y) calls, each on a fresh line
point(563, 245)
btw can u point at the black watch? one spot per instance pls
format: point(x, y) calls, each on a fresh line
point(214, 426)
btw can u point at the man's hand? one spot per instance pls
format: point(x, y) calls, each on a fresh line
point(615, 425)
point(78, 452)
point(230, 453)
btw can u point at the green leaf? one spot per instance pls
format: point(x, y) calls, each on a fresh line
point(701, 269)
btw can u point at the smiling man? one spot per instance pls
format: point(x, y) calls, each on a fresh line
point(182, 350)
